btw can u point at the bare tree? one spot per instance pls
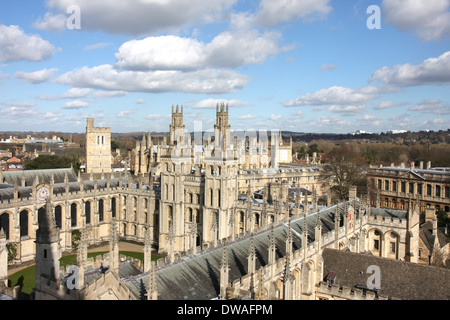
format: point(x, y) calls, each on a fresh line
point(343, 168)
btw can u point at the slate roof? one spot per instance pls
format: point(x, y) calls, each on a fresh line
point(44, 175)
point(198, 277)
point(399, 279)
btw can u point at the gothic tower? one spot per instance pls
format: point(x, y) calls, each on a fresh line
point(177, 127)
point(98, 148)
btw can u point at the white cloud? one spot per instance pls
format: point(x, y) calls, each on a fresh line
point(429, 18)
point(247, 117)
point(228, 49)
point(36, 76)
point(387, 104)
point(336, 97)
point(275, 117)
point(104, 77)
point(274, 12)
point(434, 106)
point(212, 103)
point(328, 67)
point(140, 101)
point(75, 105)
point(124, 114)
point(98, 45)
point(15, 45)
point(153, 117)
point(109, 94)
point(433, 71)
point(74, 93)
point(135, 17)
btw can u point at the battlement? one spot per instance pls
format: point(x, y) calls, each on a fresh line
point(388, 221)
point(346, 293)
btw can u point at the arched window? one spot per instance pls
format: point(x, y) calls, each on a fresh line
point(190, 215)
point(113, 207)
point(4, 224)
point(41, 216)
point(58, 217)
point(73, 214)
point(101, 210)
point(24, 223)
point(87, 211)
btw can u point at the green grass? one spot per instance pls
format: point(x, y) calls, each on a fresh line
point(26, 277)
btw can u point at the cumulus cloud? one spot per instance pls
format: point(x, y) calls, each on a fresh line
point(387, 105)
point(274, 12)
point(124, 114)
point(434, 106)
point(212, 103)
point(105, 77)
point(75, 105)
point(429, 18)
point(228, 49)
point(433, 71)
point(36, 76)
point(135, 17)
point(74, 93)
point(15, 45)
point(109, 94)
point(336, 97)
point(247, 117)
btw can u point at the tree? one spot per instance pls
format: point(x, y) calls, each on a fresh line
point(53, 162)
point(343, 169)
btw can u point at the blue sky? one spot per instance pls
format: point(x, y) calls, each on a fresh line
point(298, 65)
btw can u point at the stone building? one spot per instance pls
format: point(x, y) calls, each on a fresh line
point(98, 148)
point(231, 221)
point(393, 186)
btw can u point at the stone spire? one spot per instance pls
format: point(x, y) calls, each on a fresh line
point(82, 255)
point(152, 292)
point(224, 273)
point(147, 251)
point(252, 256)
point(289, 239)
point(171, 242)
point(114, 247)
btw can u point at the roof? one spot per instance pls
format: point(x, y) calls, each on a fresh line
point(44, 175)
point(399, 279)
point(198, 277)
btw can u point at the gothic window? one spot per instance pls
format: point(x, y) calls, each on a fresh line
point(167, 191)
point(113, 207)
point(41, 214)
point(101, 210)
point(190, 215)
point(190, 198)
point(211, 197)
point(87, 212)
point(24, 223)
point(198, 198)
point(73, 214)
point(173, 192)
point(134, 201)
point(58, 217)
